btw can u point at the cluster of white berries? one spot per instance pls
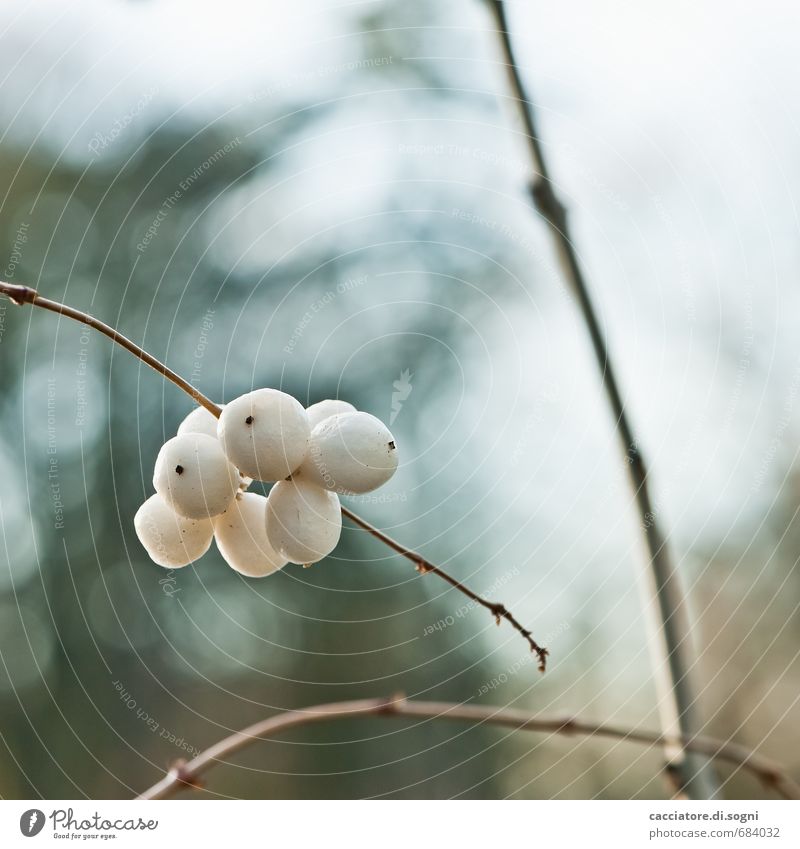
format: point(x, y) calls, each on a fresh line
point(202, 474)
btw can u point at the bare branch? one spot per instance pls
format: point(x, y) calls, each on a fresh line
point(675, 622)
point(26, 295)
point(188, 774)
point(423, 566)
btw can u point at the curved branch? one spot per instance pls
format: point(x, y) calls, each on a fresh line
point(26, 295)
point(188, 773)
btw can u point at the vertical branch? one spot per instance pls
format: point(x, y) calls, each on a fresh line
point(693, 775)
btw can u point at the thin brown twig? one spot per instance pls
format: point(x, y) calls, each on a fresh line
point(423, 566)
point(26, 295)
point(188, 773)
point(675, 620)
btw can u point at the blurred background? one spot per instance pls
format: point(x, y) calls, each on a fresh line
point(331, 199)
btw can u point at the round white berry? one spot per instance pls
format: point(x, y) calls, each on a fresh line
point(350, 453)
point(325, 409)
point(265, 434)
point(199, 421)
point(171, 540)
point(241, 536)
point(193, 475)
point(304, 522)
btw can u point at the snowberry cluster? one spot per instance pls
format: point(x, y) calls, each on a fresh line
point(202, 474)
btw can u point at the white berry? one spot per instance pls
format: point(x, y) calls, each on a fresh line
point(350, 453)
point(241, 536)
point(171, 540)
point(199, 421)
point(325, 409)
point(265, 434)
point(304, 522)
point(193, 475)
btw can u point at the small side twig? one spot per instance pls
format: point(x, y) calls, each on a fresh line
point(184, 774)
point(423, 566)
point(20, 295)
